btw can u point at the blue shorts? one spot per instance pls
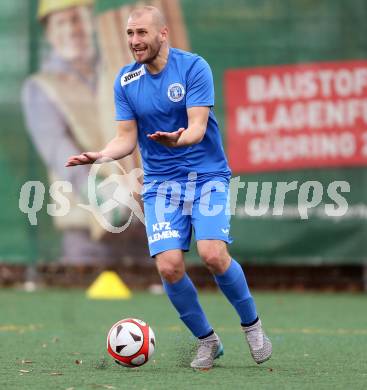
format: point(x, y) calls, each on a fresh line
point(173, 209)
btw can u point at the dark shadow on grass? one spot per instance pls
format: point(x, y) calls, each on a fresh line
point(185, 349)
point(230, 366)
point(103, 364)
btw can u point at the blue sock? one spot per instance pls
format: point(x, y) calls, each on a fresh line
point(234, 286)
point(184, 298)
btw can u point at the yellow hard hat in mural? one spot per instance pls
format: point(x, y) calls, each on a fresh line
point(46, 7)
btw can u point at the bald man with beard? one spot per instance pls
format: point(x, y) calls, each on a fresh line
point(164, 102)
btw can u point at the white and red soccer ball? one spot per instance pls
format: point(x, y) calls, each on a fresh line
point(131, 342)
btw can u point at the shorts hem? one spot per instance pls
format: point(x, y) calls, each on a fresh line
point(153, 253)
point(228, 240)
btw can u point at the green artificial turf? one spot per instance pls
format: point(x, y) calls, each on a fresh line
point(319, 342)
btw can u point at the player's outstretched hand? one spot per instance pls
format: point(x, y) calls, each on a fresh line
point(166, 138)
point(84, 158)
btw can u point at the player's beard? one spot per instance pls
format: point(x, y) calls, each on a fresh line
point(153, 51)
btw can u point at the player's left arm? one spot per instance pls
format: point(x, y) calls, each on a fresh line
point(197, 123)
point(199, 100)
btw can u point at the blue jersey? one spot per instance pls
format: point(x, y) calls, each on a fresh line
point(159, 102)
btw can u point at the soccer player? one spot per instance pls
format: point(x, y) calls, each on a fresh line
point(164, 102)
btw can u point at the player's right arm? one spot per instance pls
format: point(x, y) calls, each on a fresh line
point(127, 132)
point(119, 147)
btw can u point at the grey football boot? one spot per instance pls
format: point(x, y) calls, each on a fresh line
point(208, 349)
point(259, 343)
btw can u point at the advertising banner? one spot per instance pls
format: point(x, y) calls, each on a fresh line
point(297, 116)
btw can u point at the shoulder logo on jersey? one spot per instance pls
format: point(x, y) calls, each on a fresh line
point(176, 92)
point(134, 75)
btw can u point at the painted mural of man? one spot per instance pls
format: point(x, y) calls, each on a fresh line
point(62, 112)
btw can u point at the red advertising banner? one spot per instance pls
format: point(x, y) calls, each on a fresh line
point(297, 116)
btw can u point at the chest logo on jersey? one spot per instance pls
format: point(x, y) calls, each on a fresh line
point(176, 92)
point(129, 77)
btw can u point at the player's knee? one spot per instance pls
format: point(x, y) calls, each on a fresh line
point(211, 257)
point(215, 257)
point(170, 272)
point(170, 266)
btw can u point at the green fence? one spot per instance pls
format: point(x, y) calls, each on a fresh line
point(228, 34)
